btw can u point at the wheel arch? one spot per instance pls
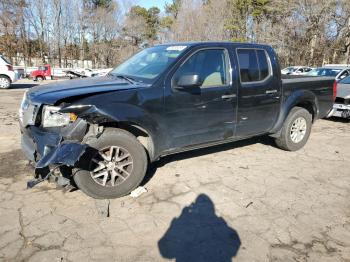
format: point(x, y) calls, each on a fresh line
point(9, 78)
point(310, 107)
point(144, 136)
point(300, 98)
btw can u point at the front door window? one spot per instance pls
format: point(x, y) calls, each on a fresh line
point(211, 65)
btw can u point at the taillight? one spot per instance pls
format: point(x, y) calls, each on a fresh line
point(334, 90)
point(9, 67)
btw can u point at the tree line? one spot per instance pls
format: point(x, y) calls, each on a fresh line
point(305, 32)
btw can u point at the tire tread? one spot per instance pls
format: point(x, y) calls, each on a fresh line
point(283, 141)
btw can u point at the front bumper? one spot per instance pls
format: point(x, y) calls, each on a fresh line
point(341, 110)
point(46, 148)
point(36, 143)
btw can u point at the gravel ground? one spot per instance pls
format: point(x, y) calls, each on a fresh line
point(245, 201)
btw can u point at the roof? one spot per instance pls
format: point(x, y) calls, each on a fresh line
point(198, 43)
point(335, 67)
point(332, 67)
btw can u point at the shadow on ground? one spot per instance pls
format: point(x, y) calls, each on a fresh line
point(266, 140)
point(14, 165)
point(198, 234)
point(23, 86)
point(338, 119)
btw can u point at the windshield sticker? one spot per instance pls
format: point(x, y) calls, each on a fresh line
point(176, 48)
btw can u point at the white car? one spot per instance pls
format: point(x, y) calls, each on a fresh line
point(7, 74)
point(341, 107)
point(295, 70)
point(336, 72)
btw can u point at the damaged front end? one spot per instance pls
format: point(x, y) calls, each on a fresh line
point(51, 147)
point(65, 154)
point(50, 150)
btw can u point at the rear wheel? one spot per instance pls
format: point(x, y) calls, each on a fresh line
point(5, 82)
point(115, 168)
point(39, 78)
point(296, 130)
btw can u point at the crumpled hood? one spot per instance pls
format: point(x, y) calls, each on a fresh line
point(51, 93)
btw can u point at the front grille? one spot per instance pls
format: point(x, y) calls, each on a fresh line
point(28, 112)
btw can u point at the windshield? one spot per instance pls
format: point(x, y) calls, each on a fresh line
point(324, 72)
point(289, 69)
point(6, 60)
point(346, 80)
point(146, 65)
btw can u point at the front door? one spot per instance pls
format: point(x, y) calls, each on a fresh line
point(203, 113)
point(259, 93)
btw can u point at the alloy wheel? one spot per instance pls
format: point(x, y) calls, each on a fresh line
point(298, 130)
point(111, 166)
point(4, 82)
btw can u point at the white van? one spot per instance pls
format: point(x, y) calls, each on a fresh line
point(7, 74)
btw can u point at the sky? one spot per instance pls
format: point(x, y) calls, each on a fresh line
point(149, 3)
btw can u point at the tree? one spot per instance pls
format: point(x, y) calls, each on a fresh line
point(310, 32)
point(11, 18)
point(142, 24)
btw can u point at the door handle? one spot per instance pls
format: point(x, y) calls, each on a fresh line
point(271, 91)
point(228, 96)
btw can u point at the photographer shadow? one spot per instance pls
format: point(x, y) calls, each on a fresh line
point(199, 235)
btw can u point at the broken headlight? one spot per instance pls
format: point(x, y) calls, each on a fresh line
point(53, 118)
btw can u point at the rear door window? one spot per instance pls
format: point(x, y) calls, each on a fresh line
point(254, 65)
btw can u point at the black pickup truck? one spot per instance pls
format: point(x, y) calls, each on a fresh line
point(163, 100)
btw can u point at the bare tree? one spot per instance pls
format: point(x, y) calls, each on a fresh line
point(310, 32)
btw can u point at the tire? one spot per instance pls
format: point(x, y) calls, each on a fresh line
point(39, 78)
point(290, 140)
point(5, 82)
point(121, 141)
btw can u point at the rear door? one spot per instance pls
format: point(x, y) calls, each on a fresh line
point(205, 113)
point(259, 92)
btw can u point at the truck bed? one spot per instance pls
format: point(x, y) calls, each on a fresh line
point(321, 87)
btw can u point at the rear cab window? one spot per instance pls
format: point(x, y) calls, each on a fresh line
point(254, 65)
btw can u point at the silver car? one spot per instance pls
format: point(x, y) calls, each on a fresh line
point(341, 107)
point(295, 70)
point(338, 72)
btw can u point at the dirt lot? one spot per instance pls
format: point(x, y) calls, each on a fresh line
point(246, 201)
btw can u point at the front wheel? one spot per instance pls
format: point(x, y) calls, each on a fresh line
point(39, 78)
point(117, 166)
point(296, 130)
point(5, 82)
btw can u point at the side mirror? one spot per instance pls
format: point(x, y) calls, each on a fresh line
point(189, 81)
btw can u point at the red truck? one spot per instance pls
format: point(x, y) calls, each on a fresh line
point(42, 73)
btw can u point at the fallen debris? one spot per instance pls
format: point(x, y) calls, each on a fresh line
point(249, 204)
point(138, 192)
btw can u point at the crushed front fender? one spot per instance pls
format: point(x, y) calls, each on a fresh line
point(67, 154)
